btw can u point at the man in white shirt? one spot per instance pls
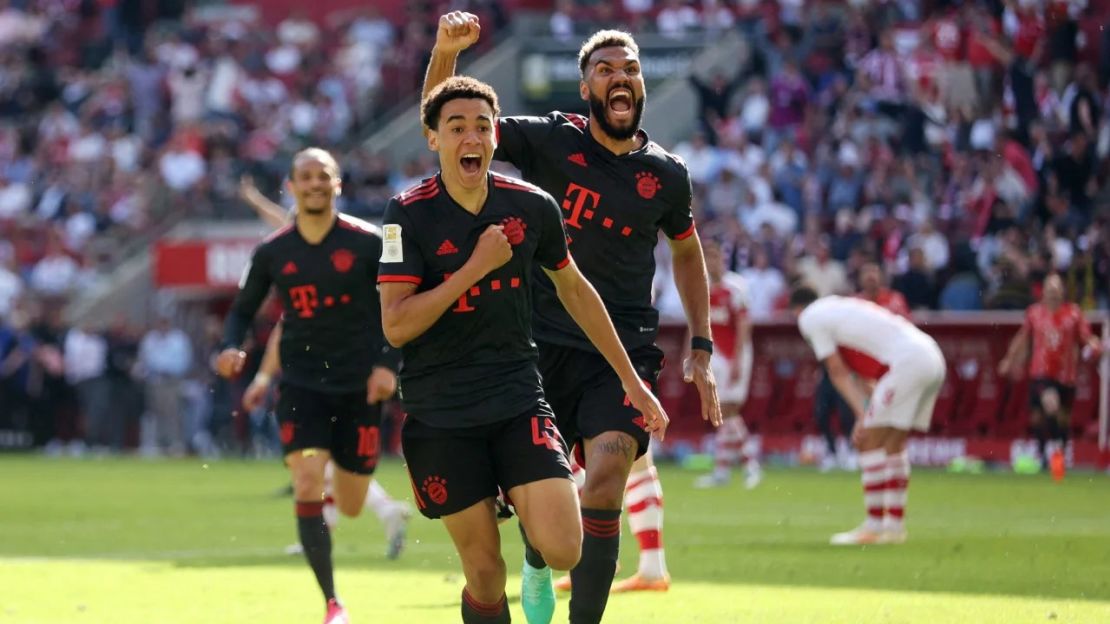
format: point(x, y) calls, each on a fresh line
point(85, 356)
point(165, 357)
point(868, 350)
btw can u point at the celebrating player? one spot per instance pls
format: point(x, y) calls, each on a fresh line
point(456, 284)
point(851, 336)
point(617, 190)
point(393, 514)
point(1059, 334)
point(732, 366)
point(337, 366)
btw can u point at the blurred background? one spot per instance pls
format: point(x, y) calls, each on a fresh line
point(960, 145)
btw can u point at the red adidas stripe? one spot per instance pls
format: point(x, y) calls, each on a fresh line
point(562, 263)
point(422, 195)
point(416, 494)
point(408, 279)
point(483, 609)
point(687, 234)
point(638, 482)
point(649, 539)
point(309, 510)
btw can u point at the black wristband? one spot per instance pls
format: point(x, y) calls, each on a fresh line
point(702, 344)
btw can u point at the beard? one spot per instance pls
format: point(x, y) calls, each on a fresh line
point(598, 109)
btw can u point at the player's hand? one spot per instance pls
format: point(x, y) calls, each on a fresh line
point(857, 433)
point(493, 249)
point(458, 30)
point(229, 363)
point(380, 385)
point(696, 370)
point(247, 189)
point(255, 394)
point(655, 418)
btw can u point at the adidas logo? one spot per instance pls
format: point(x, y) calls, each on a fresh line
point(289, 268)
point(446, 248)
point(578, 158)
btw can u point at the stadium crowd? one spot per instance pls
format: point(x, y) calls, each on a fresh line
point(962, 145)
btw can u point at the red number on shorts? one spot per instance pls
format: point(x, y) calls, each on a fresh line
point(368, 439)
point(543, 436)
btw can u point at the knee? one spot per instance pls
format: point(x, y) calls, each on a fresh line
point(565, 552)
point(604, 489)
point(308, 486)
point(485, 572)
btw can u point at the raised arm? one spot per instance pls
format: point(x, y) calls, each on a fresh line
point(273, 214)
point(585, 307)
point(457, 31)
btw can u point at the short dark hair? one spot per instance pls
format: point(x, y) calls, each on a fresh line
point(314, 153)
point(455, 88)
point(802, 297)
point(604, 39)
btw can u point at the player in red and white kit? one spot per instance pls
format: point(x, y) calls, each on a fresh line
point(860, 343)
point(1059, 336)
point(732, 367)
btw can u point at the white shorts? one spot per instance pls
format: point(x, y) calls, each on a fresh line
point(905, 396)
point(732, 392)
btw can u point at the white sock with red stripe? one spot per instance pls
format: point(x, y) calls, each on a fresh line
point(729, 444)
point(894, 498)
point(331, 512)
point(378, 500)
point(644, 497)
point(873, 473)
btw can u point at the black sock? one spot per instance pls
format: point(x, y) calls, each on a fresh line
point(1041, 431)
point(593, 576)
point(316, 540)
point(531, 555)
point(474, 612)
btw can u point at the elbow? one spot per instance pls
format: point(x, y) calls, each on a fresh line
point(394, 333)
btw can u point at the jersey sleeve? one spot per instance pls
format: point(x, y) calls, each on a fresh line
point(817, 334)
point(253, 288)
point(552, 252)
point(678, 220)
point(519, 137)
point(401, 260)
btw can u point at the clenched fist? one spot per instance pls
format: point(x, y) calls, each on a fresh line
point(458, 30)
point(493, 250)
point(230, 363)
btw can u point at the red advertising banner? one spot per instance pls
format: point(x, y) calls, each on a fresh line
point(978, 413)
point(201, 263)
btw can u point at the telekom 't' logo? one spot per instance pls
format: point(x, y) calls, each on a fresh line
point(581, 203)
point(303, 300)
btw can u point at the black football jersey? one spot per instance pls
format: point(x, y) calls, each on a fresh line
point(477, 363)
point(613, 208)
point(332, 328)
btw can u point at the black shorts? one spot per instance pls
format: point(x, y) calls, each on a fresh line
point(452, 469)
point(342, 424)
point(587, 395)
point(1039, 385)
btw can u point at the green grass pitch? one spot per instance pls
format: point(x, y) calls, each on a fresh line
point(131, 541)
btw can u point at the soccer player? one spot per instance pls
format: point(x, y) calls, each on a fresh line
point(859, 343)
point(732, 366)
point(456, 285)
point(1059, 334)
point(617, 189)
point(393, 514)
point(337, 366)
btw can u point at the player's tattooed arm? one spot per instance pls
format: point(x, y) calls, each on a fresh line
point(457, 31)
point(585, 307)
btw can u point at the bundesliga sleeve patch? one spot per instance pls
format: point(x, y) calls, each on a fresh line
point(391, 243)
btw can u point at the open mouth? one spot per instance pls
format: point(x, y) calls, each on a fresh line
point(471, 163)
point(620, 101)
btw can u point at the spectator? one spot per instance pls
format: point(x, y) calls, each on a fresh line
point(85, 353)
point(916, 284)
point(765, 284)
point(165, 357)
point(821, 272)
